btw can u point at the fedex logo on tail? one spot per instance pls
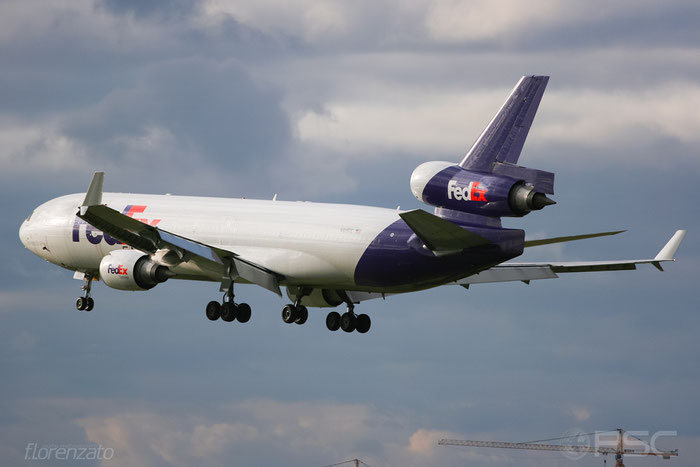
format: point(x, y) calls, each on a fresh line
point(96, 236)
point(474, 192)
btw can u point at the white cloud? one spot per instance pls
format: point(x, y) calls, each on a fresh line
point(147, 438)
point(580, 414)
point(461, 20)
point(418, 124)
point(424, 442)
point(25, 147)
point(599, 117)
point(309, 19)
point(390, 22)
point(425, 122)
point(21, 22)
point(269, 431)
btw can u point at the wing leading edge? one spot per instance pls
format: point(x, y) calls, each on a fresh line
point(526, 272)
point(168, 248)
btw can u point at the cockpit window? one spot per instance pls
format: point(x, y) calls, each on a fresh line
point(30, 216)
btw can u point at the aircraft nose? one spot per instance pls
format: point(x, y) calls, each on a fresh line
point(26, 235)
point(23, 234)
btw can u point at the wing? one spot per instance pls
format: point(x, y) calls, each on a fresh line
point(168, 248)
point(526, 272)
point(440, 235)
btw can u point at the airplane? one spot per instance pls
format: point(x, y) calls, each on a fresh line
point(323, 254)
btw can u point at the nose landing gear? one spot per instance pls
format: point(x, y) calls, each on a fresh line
point(86, 303)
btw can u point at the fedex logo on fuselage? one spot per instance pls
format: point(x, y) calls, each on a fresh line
point(474, 192)
point(118, 270)
point(96, 236)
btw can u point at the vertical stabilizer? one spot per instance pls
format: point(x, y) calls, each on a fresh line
point(503, 139)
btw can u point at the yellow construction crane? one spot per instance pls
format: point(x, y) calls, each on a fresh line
point(619, 451)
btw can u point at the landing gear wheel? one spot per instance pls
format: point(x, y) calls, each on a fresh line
point(243, 313)
point(348, 322)
point(213, 310)
point(228, 311)
point(289, 314)
point(302, 314)
point(363, 323)
point(81, 303)
point(333, 321)
point(90, 304)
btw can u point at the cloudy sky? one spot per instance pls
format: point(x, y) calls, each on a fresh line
point(339, 101)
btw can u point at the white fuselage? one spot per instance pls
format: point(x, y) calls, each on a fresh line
point(312, 244)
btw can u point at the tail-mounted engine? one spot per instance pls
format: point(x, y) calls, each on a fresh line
point(132, 270)
point(446, 185)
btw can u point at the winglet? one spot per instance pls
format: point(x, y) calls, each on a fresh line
point(669, 250)
point(93, 197)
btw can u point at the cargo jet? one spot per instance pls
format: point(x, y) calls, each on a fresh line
point(325, 255)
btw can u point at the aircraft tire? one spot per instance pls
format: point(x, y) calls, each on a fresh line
point(348, 322)
point(302, 314)
point(363, 323)
point(90, 304)
point(213, 310)
point(333, 321)
point(80, 303)
point(243, 313)
point(228, 311)
point(289, 314)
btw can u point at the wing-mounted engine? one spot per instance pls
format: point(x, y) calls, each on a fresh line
point(132, 270)
point(447, 185)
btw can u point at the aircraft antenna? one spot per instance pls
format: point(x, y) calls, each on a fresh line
point(619, 450)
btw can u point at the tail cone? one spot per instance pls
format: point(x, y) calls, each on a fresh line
point(540, 200)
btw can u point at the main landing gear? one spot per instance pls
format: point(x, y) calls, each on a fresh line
point(348, 321)
point(86, 303)
point(228, 310)
point(295, 313)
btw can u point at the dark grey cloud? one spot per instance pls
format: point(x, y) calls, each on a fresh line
point(213, 108)
point(162, 9)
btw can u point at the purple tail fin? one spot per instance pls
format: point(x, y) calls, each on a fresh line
point(503, 139)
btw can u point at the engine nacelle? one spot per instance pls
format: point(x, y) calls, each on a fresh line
point(446, 185)
point(132, 270)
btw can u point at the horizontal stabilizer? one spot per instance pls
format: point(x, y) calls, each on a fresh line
point(531, 271)
point(440, 235)
point(571, 238)
point(504, 137)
